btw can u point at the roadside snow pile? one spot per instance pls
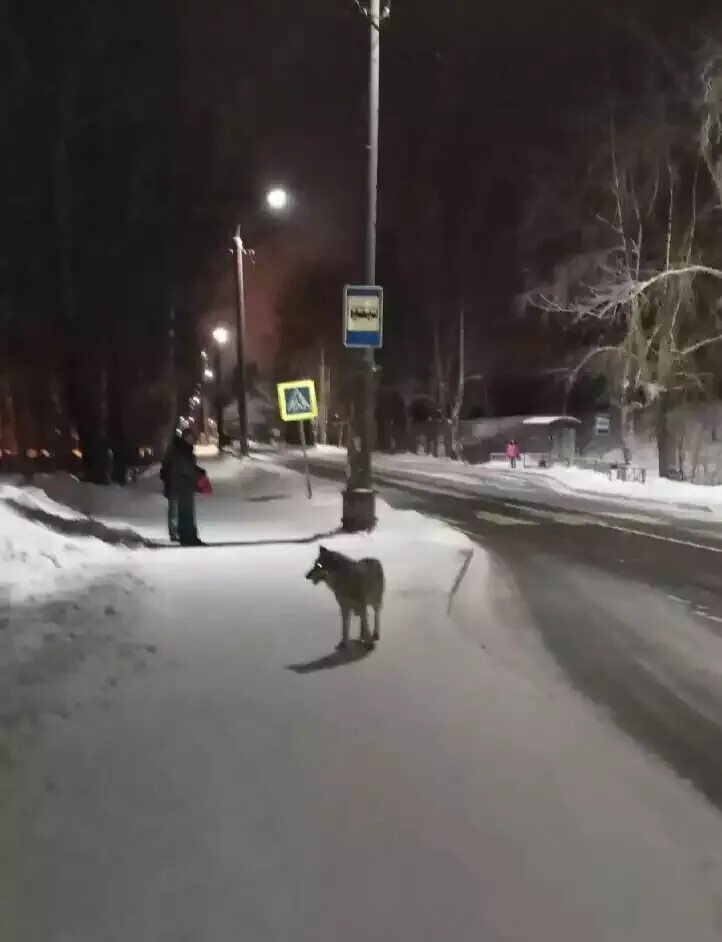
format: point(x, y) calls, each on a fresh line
point(141, 505)
point(659, 490)
point(656, 490)
point(33, 498)
point(403, 462)
point(33, 557)
point(98, 500)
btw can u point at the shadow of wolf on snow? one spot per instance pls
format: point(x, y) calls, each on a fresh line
point(357, 586)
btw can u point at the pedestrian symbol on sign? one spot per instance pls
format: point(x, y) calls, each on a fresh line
point(297, 401)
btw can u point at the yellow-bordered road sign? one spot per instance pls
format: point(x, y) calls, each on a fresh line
point(297, 400)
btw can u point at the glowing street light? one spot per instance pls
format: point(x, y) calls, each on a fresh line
point(220, 335)
point(208, 373)
point(277, 199)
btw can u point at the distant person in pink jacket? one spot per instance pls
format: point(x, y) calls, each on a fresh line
point(512, 452)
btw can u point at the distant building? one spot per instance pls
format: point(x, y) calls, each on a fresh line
point(262, 413)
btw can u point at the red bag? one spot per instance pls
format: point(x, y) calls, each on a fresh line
point(204, 485)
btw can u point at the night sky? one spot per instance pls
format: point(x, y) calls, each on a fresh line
point(137, 135)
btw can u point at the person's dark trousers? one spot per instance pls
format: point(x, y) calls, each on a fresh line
point(187, 519)
point(512, 462)
point(173, 518)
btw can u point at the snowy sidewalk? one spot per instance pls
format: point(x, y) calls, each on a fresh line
point(252, 500)
point(74, 565)
point(217, 773)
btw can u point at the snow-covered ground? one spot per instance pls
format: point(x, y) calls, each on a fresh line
point(656, 491)
point(48, 551)
point(34, 558)
point(84, 541)
point(219, 772)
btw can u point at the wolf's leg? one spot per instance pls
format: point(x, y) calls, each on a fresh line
point(377, 624)
point(365, 635)
point(345, 625)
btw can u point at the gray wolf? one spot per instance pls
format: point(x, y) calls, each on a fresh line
point(357, 584)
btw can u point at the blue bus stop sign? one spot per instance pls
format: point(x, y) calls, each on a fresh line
point(363, 316)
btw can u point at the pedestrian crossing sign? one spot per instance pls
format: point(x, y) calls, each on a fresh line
point(297, 400)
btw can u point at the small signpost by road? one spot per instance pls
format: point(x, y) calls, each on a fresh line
point(363, 316)
point(297, 403)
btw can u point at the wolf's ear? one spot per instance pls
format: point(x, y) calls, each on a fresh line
point(322, 551)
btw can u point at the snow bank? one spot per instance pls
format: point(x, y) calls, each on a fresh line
point(32, 556)
point(57, 590)
point(655, 490)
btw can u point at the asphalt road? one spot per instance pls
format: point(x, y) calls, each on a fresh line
point(629, 603)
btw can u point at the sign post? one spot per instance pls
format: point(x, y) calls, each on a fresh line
point(297, 403)
point(305, 460)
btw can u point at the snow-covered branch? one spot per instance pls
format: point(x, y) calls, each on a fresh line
point(693, 348)
point(604, 299)
point(588, 357)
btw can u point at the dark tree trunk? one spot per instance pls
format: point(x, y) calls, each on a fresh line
point(92, 444)
point(117, 433)
point(665, 444)
point(79, 387)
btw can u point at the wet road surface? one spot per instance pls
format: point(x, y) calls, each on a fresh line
point(629, 603)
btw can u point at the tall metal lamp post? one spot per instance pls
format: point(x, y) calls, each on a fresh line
point(359, 510)
point(220, 336)
point(277, 201)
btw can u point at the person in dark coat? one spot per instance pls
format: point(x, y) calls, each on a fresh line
point(180, 473)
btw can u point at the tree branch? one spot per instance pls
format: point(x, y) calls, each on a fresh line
point(597, 351)
point(700, 344)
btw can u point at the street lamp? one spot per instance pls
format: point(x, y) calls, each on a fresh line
point(220, 335)
point(277, 200)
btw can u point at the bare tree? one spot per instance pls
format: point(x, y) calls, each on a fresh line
point(710, 141)
point(645, 288)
